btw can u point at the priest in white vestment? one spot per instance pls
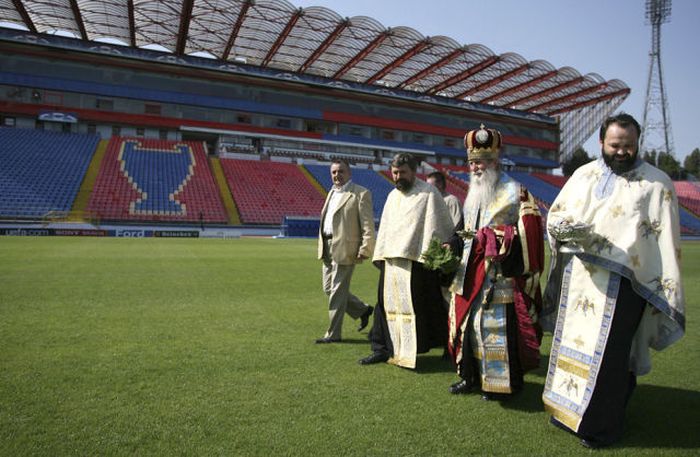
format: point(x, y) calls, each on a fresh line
point(410, 317)
point(614, 289)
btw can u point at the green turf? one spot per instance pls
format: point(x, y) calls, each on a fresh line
point(205, 347)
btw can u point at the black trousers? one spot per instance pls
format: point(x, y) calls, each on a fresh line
point(431, 316)
point(604, 418)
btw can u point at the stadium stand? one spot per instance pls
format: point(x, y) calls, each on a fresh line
point(541, 190)
point(456, 174)
point(461, 175)
point(690, 225)
point(321, 174)
point(457, 191)
point(41, 171)
point(556, 181)
point(266, 192)
point(457, 179)
point(377, 184)
point(156, 180)
point(688, 196)
point(525, 161)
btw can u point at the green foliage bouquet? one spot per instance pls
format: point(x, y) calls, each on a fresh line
point(439, 257)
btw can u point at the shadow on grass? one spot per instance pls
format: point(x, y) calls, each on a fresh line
point(358, 340)
point(433, 364)
point(657, 416)
point(541, 371)
point(663, 417)
point(528, 400)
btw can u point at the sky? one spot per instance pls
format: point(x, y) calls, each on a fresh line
point(606, 37)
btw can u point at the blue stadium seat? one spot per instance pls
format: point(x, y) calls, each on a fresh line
point(540, 189)
point(42, 171)
point(688, 221)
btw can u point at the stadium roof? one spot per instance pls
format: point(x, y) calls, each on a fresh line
point(316, 41)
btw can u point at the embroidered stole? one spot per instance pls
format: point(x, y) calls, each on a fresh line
point(398, 307)
point(487, 322)
point(489, 345)
point(579, 339)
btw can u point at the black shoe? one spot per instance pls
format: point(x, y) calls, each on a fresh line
point(591, 444)
point(559, 425)
point(375, 357)
point(461, 387)
point(325, 340)
point(490, 396)
point(364, 319)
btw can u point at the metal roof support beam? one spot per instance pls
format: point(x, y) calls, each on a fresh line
point(568, 97)
point(468, 73)
point(362, 54)
point(494, 81)
point(282, 36)
point(183, 31)
point(77, 15)
point(420, 46)
point(236, 29)
point(546, 92)
point(132, 23)
point(25, 15)
point(525, 85)
point(426, 71)
point(593, 101)
point(326, 43)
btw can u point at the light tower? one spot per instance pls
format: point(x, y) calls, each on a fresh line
point(656, 125)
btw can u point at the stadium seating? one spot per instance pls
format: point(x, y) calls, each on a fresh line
point(457, 191)
point(267, 191)
point(321, 173)
point(167, 181)
point(688, 196)
point(41, 171)
point(539, 189)
point(461, 176)
point(526, 161)
point(690, 225)
point(556, 181)
point(456, 174)
point(156, 180)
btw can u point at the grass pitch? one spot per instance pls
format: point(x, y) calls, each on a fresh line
point(205, 347)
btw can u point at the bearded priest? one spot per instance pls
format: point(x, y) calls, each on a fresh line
point(410, 317)
point(614, 288)
point(494, 336)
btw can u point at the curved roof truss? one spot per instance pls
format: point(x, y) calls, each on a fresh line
point(319, 42)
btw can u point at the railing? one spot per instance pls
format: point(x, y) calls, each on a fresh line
point(71, 216)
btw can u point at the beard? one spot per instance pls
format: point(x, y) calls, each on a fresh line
point(482, 189)
point(403, 184)
point(619, 166)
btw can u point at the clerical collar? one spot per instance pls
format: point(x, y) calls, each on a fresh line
point(609, 177)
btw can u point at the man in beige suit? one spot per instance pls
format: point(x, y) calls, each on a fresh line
point(345, 238)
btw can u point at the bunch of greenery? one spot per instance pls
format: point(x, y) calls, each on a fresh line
point(439, 257)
